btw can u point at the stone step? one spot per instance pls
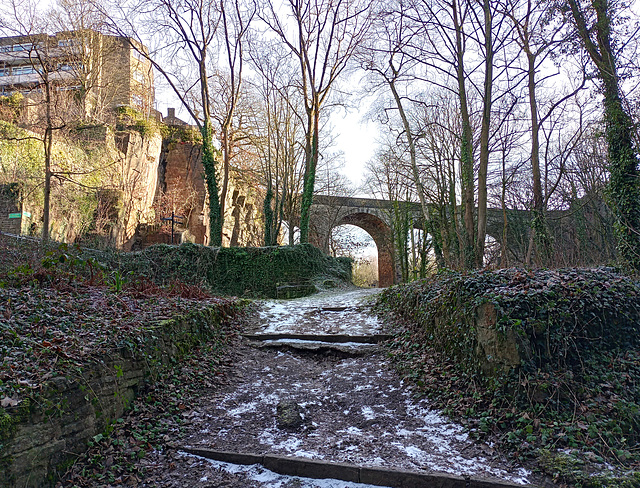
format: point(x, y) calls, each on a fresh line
point(331, 338)
point(377, 476)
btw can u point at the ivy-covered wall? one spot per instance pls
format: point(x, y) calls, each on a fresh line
point(530, 319)
point(250, 271)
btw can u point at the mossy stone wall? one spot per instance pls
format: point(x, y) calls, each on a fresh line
point(42, 435)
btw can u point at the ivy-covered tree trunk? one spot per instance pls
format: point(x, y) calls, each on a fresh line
point(466, 152)
point(624, 183)
point(48, 150)
point(541, 235)
point(487, 101)
point(400, 230)
point(268, 216)
point(209, 164)
point(309, 176)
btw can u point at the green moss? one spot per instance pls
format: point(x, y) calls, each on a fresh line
point(567, 469)
point(132, 119)
point(9, 421)
point(178, 134)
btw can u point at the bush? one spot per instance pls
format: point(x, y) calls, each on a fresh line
point(130, 118)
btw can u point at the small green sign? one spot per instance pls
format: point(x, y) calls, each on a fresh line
point(17, 215)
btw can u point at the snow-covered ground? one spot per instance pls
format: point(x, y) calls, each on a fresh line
point(329, 312)
point(355, 409)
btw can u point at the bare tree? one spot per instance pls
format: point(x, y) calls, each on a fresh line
point(277, 128)
point(389, 61)
point(323, 37)
point(30, 26)
point(539, 36)
point(595, 21)
point(235, 22)
point(445, 25)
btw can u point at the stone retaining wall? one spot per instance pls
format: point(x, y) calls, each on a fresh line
point(497, 350)
point(57, 423)
point(10, 205)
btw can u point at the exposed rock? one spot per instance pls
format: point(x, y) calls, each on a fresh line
point(497, 350)
point(289, 415)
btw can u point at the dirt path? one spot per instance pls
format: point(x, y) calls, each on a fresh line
point(354, 408)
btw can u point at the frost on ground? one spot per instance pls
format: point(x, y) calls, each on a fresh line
point(269, 479)
point(329, 312)
point(355, 409)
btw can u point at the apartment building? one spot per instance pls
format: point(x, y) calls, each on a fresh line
point(99, 71)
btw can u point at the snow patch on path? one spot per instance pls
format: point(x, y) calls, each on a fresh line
point(356, 410)
point(269, 479)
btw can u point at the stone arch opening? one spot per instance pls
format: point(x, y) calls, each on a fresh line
point(352, 241)
point(381, 235)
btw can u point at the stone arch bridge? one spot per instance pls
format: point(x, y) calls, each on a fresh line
point(374, 217)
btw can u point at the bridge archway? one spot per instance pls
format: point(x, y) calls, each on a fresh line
point(327, 210)
point(373, 225)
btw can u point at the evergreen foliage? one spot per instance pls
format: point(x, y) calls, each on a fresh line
point(211, 178)
point(577, 333)
point(248, 271)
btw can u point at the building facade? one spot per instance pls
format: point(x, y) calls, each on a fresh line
point(99, 72)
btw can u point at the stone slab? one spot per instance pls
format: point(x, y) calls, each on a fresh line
point(377, 476)
point(226, 456)
point(333, 338)
point(309, 468)
point(475, 482)
point(409, 479)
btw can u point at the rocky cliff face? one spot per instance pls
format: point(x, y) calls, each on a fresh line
point(138, 160)
point(128, 189)
point(103, 184)
point(181, 198)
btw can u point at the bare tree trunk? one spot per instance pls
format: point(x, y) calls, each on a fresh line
point(484, 135)
point(466, 149)
point(412, 147)
point(48, 148)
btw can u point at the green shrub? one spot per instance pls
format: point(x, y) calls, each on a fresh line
point(130, 118)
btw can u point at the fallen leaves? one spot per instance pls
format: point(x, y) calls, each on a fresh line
point(8, 402)
point(48, 332)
